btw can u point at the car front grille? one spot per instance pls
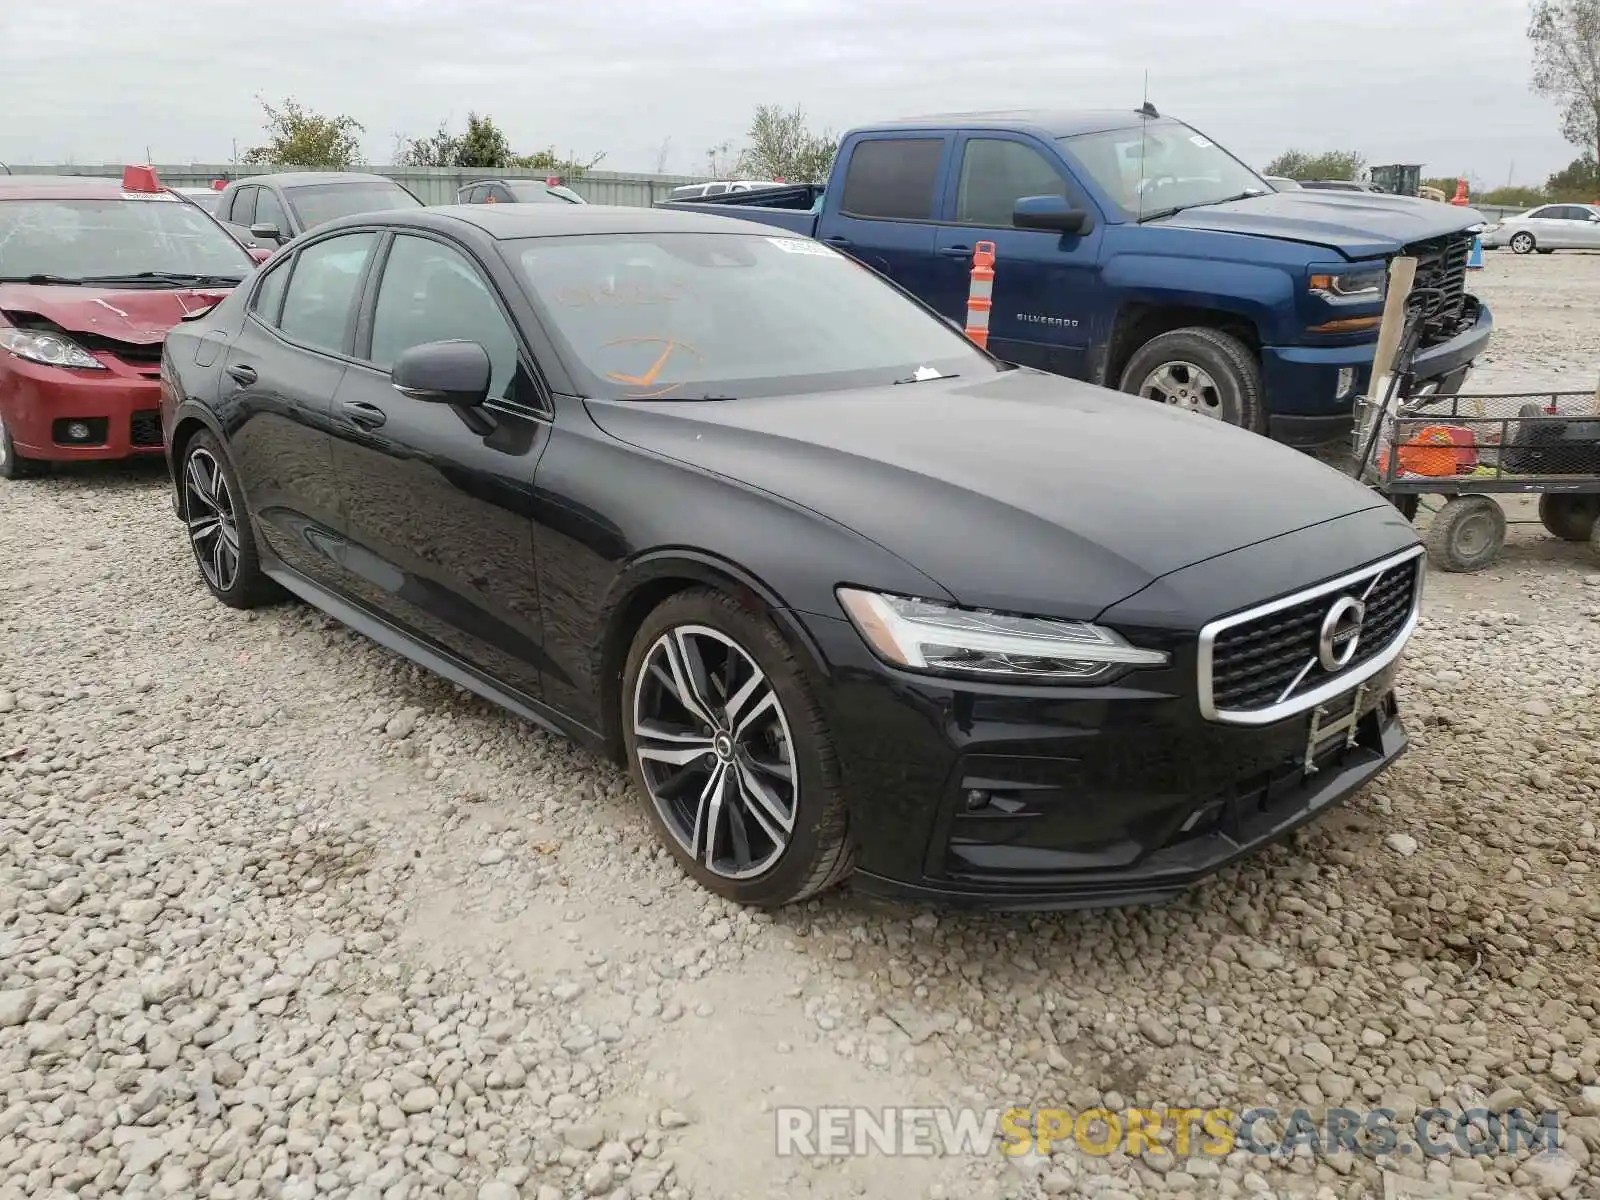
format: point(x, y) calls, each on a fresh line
point(145, 428)
point(1266, 664)
point(1442, 265)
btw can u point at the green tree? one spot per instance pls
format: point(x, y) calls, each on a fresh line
point(1565, 36)
point(483, 145)
point(1330, 164)
point(570, 167)
point(1579, 181)
point(1513, 197)
point(443, 149)
point(783, 147)
point(298, 137)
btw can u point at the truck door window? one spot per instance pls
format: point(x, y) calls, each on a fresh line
point(269, 211)
point(244, 207)
point(995, 174)
point(892, 179)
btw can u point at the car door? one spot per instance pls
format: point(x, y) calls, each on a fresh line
point(1577, 229)
point(438, 501)
point(1588, 227)
point(278, 385)
point(240, 214)
point(887, 206)
point(1044, 282)
point(1545, 225)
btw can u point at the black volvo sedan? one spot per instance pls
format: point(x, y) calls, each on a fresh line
point(850, 597)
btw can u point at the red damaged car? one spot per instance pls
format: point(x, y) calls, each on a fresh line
point(93, 273)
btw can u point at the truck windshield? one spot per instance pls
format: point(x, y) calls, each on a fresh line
point(1161, 166)
point(158, 236)
point(690, 316)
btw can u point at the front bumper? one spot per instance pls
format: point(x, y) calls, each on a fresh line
point(1302, 381)
point(120, 406)
point(1120, 795)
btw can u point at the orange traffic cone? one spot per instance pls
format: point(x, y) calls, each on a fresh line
point(1461, 193)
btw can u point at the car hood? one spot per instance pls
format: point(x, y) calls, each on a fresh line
point(1023, 491)
point(139, 316)
point(1357, 224)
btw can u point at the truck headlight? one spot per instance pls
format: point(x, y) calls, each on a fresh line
point(1358, 285)
point(51, 349)
point(927, 636)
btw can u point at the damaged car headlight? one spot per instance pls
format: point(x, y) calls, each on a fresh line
point(51, 349)
point(923, 635)
point(1355, 285)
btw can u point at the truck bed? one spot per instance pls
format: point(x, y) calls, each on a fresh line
point(787, 207)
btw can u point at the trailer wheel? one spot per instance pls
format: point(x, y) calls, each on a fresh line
point(1570, 517)
point(1467, 534)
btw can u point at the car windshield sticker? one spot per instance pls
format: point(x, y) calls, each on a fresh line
point(802, 246)
point(151, 196)
point(1200, 141)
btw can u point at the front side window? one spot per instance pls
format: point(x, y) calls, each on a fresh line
point(728, 316)
point(318, 203)
point(995, 174)
point(244, 206)
point(892, 179)
point(117, 241)
point(322, 290)
point(1161, 166)
point(269, 211)
point(431, 293)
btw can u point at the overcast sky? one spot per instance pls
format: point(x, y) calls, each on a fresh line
point(1432, 81)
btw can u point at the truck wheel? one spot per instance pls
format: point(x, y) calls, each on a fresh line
point(1467, 534)
point(1522, 243)
point(1202, 370)
point(1570, 517)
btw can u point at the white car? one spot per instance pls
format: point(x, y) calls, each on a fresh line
point(1548, 228)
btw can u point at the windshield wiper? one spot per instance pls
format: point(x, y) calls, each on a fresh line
point(1178, 208)
point(63, 280)
point(182, 278)
point(921, 377)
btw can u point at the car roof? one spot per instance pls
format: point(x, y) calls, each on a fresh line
point(1047, 122)
point(300, 178)
point(504, 222)
point(70, 187)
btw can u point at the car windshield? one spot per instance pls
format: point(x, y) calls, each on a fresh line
point(686, 316)
point(316, 203)
point(115, 238)
point(1161, 166)
point(540, 193)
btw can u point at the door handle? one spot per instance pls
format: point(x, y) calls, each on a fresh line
point(243, 374)
point(956, 251)
point(836, 240)
point(367, 416)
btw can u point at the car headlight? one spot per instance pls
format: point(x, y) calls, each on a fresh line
point(51, 349)
point(926, 636)
point(1359, 285)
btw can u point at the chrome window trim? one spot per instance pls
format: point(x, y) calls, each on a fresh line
point(1333, 687)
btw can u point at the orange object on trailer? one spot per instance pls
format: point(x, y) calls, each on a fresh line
point(980, 296)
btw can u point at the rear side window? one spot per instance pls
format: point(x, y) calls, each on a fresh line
point(268, 300)
point(892, 179)
point(322, 290)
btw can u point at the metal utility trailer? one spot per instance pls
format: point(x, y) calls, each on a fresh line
point(1470, 448)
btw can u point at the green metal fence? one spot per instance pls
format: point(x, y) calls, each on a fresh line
point(432, 185)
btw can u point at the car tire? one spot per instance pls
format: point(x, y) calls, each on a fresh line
point(1202, 370)
point(218, 526)
point(776, 841)
point(1467, 534)
point(12, 464)
point(1570, 516)
point(1544, 251)
point(1522, 243)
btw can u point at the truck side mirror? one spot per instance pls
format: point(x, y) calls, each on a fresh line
point(1054, 213)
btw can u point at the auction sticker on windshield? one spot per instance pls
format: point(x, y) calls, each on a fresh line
point(802, 246)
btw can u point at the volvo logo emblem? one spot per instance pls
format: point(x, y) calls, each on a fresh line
point(1340, 633)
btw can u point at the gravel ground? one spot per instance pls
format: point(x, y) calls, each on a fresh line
point(283, 916)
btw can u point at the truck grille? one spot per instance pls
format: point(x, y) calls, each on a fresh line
point(1267, 664)
point(1442, 264)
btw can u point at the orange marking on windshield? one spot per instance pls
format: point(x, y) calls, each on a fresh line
point(650, 376)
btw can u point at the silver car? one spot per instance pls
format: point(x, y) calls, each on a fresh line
point(1548, 228)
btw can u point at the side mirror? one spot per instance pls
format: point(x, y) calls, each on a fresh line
point(455, 373)
point(265, 233)
point(1053, 213)
point(259, 253)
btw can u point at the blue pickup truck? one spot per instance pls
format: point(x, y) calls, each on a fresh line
point(1135, 252)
